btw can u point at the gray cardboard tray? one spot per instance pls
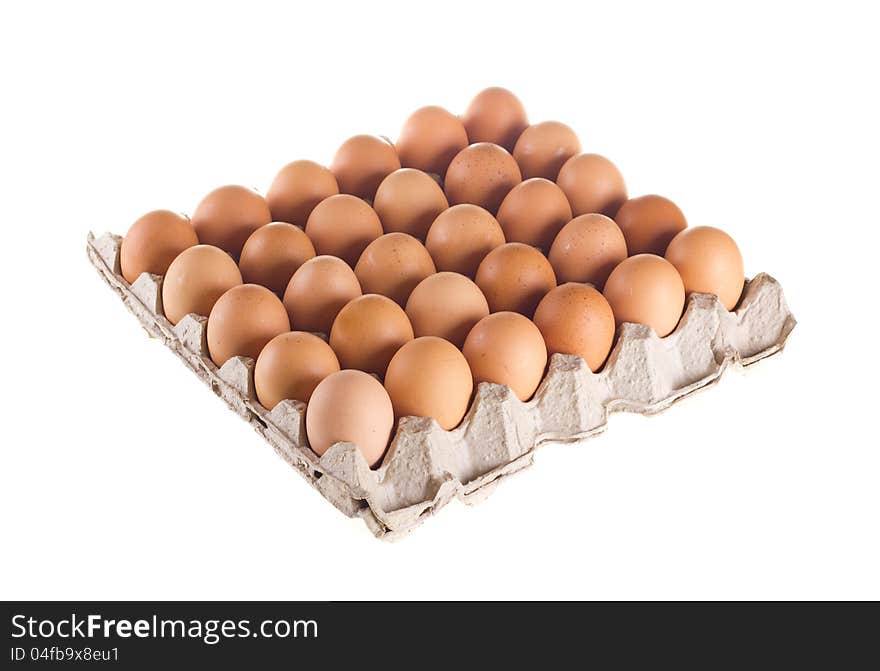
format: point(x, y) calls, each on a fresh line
point(426, 467)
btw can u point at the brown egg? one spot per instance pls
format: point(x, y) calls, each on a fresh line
point(290, 367)
point(576, 319)
point(515, 277)
point(592, 183)
point(362, 162)
point(429, 377)
point(709, 262)
point(507, 348)
point(243, 320)
point(446, 305)
point(542, 149)
point(195, 280)
point(368, 331)
point(495, 115)
point(272, 255)
point(393, 265)
point(587, 249)
point(649, 223)
point(481, 174)
point(408, 201)
point(318, 290)
point(534, 212)
point(227, 216)
point(350, 406)
point(646, 289)
point(343, 226)
point(153, 242)
point(429, 140)
point(297, 189)
point(460, 238)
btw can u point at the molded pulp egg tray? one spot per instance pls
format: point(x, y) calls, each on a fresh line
point(426, 467)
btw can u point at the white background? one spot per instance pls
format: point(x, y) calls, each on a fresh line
point(122, 476)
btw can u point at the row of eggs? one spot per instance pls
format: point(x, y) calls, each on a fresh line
point(404, 284)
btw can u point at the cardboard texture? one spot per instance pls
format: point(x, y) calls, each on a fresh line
point(426, 467)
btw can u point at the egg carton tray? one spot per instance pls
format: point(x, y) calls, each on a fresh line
point(426, 467)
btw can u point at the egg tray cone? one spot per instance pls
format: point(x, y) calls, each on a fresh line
point(426, 467)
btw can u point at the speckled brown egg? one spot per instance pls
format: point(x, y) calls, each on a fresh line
point(343, 226)
point(290, 366)
point(362, 162)
point(272, 255)
point(587, 249)
point(368, 331)
point(430, 139)
point(318, 290)
point(195, 280)
point(507, 348)
point(542, 149)
point(446, 305)
point(460, 238)
point(534, 212)
point(576, 319)
point(592, 183)
point(515, 277)
point(242, 321)
point(227, 216)
point(649, 223)
point(709, 262)
point(153, 242)
point(350, 406)
point(429, 377)
point(296, 190)
point(392, 265)
point(495, 115)
point(408, 201)
point(646, 289)
point(481, 174)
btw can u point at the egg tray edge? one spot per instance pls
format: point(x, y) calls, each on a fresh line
point(426, 467)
